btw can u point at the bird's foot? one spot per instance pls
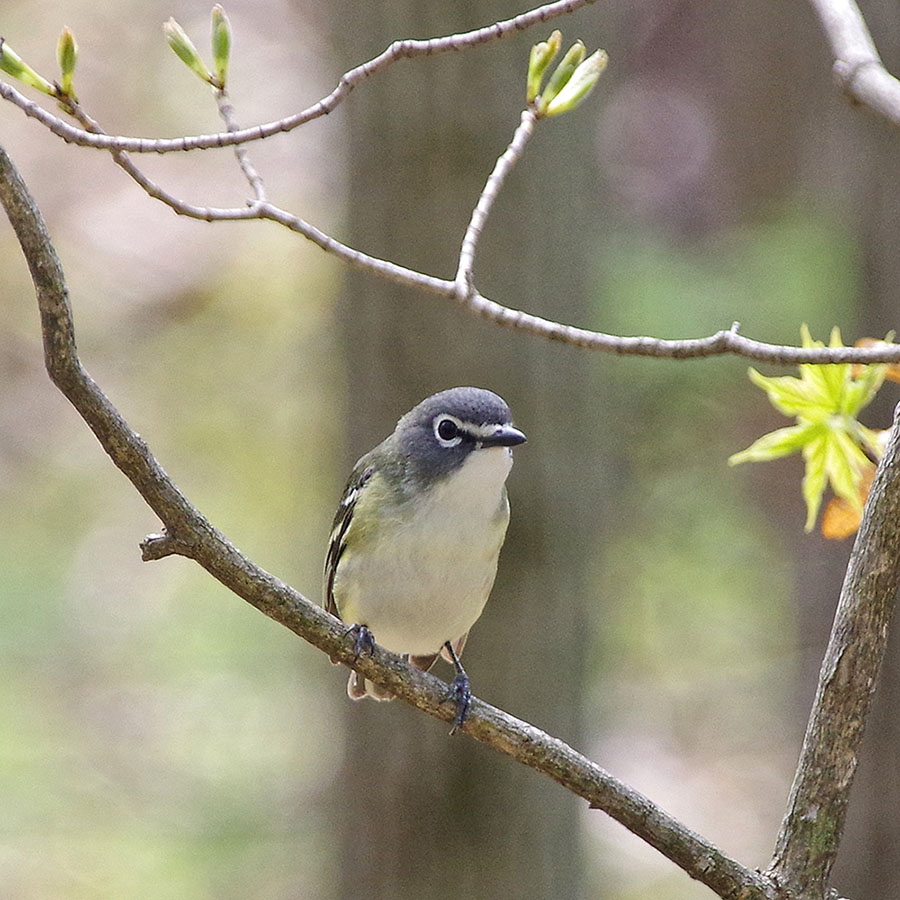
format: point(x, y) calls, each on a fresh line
point(363, 642)
point(458, 691)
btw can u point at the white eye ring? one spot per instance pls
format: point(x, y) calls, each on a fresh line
point(448, 430)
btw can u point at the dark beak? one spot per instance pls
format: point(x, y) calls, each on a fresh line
point(504, 436)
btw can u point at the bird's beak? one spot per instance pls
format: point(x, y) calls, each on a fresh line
point(503, 436)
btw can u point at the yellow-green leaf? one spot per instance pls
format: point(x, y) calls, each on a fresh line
point(561, 75)
point(776, 444)
point(792, 396)
point(825, 399)
point(861, 390)
point(874, 439)
point(814, 478)
point(584, 79)
point(842, 465)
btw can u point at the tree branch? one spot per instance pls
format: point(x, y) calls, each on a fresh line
point(190, 534)
point(817, 806)
point(254, 179)
point(858, 68)
point(404, 49)
point(462, 288)
point(463, 291)
point(513, 153)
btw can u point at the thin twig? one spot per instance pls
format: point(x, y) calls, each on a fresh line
point(404, 49)
point(462, 288)
point(152, 189)
point(504, 165)
point(190, 534)
point(812, 827)
point(226, 111)
point(858, 68)
point(723, 342)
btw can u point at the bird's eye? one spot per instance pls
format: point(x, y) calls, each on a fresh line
point(447, 431)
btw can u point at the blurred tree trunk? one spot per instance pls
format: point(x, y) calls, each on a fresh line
point(423, 814)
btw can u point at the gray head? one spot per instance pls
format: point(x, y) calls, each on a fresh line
point(438, 435)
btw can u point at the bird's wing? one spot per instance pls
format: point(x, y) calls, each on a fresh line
point(337, 542)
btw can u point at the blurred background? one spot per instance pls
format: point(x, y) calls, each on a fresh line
point(659, 611)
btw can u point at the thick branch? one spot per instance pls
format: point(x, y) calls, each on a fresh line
point(812, 827)
point(858, 68)
point(190, 534)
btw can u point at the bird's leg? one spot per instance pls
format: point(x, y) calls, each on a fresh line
point(458, 690)
point(364, 642)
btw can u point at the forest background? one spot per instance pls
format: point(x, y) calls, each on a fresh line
point(660, 611)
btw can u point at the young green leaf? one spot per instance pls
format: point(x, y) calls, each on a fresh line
point(793, 396)
point(221, 45)
point(13, 64)
point(186, 51)
point(844, 462)
point(814, 478)
point(67, 55)
point(561, 75)
point(776, 444)
point(837, 449)
point(539, 60)
point(584, 79)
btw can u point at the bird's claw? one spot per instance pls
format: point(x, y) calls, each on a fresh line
point(458, 691)
point(363, 642)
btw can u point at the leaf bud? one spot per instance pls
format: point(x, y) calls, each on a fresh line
point(221, 45)
point(582, 82)
point(67, 55)
point(185, 50)
point(561, 75)
point(12, 64)
point(539, 60)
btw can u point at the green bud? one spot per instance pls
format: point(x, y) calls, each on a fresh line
point(67, 54)
point(542, 55)
point(12, 64)
point(555, 41)
point(221, 44)
point(185, 50)
point(582, 82)
point(561, 76)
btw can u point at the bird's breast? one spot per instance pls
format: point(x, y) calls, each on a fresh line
point(426, 576)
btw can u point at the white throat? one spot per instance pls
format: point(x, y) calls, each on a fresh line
point(474, 488)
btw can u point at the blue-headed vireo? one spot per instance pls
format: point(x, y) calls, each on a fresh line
point(416, 537)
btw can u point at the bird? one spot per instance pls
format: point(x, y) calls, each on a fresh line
point(417, 534)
